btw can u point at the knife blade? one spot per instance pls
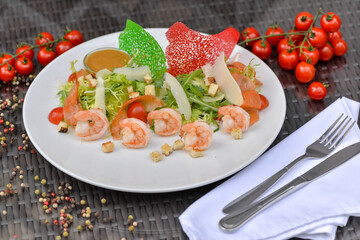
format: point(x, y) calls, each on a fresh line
point(234, 220)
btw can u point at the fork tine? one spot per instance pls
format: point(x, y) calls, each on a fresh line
point(344, 134)
point(330, 139)
point(330, 128)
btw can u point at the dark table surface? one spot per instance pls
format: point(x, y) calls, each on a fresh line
point(156, 214)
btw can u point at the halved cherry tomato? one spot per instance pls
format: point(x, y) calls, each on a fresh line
point(304, 72)
point(56, 115)
point(330, 22)
point(4, 57)
point(317, 37)
point(29, 54)
point(326, 52)
point(249, 33)
point(288, 60)
point(317, 91)
point(303, 21)
point(262, 49)
point(284, 44)
point(340, 47)
point(137, 110)
point(274, 30)
point(264, 102)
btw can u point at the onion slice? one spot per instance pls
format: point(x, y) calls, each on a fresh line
point(226, 82)
point(179, 95)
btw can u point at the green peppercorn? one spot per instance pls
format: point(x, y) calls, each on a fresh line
point(43, 194)
point(65, 234)
point(79, 228)
point(45, 207)
point(82, 202)
point(43, 181)
point(103, 201)
point(87, 222)
point(58, 238)
point(37, 191)
point(8, 186)
point(36, 178)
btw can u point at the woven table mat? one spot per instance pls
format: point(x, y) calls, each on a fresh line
point(156, 214)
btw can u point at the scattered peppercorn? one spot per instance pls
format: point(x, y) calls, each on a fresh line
point(103, 201)
point(43, 181)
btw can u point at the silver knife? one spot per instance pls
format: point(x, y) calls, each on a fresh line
point(234, 220)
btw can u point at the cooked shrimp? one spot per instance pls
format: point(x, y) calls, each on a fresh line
point(198, 135)
point(167, 121)
point(91, 124)
point(72, 105)
point(234, 118)
point(134, 133)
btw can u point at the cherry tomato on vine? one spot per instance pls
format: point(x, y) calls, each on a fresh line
point(304, 72)
point(249, 33)
point(262, 49)
point(340, 47)
point(330, 22)
point(29, 54)
point(4, 57)
point(44, 37)
point(294, 37)
point(137, 110)
point(310, 53)
point(326, 52)
point(7, 72)
point(288, 59)
point(45, 56)
point(74, 36)
point(274, 30)
point(317, 91)
point(317, 37)
point(284, 44)
point(63, 46)
point(56, 115)
point(335, 35)
point(24, 66)
point(303, 21)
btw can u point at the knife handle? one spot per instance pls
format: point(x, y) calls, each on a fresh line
point(240, 203)
point(234, 220)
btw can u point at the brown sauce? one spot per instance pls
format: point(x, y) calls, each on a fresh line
point(106, 58)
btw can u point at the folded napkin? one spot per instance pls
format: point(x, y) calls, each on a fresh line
point(314, 211)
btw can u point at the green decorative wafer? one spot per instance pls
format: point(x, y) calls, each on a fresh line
point(143, 48)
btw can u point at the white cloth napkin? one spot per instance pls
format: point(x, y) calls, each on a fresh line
point(314, 211)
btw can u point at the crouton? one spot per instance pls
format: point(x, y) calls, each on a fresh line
point(62, 127)
point(156, 156)
point(213, 89)
point(134, 94)
point(236, 133)
point(166, 149)
point(148, 79)
point(197, 153)
point(150, 90)
point(178, 144)
point(107, 147)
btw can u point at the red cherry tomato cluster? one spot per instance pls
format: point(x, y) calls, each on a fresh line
point(22, 61)
point(302, 47)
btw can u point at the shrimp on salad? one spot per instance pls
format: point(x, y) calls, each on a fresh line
point(197, 135)
point(72, 105)
point(91, 124)
point(234, 117)
point(167, 121)
point(134, 133)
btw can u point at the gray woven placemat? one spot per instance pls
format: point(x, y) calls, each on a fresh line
point(156, 214)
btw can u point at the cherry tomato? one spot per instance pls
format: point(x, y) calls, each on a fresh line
point(44, 37)
point(45, 56)
point(317, 91)
point(274, 30)
point(74, 36)
point(295, 38)
point(72, 77)
point(62, 47)
point(334, 35)
point(304, 72)
point(137, 110)
point(284, 44)
point(29, 54)
point(317, 37)
point(262, 49)
point(340, 47)
point(310, 53)
point(4, 57)
point(24, 66)
point(264, 102)
point(303, 21)
point(249, 33)
point(56, 115)
point(7, 73)
point(326, 52)
point(288, 59)
point(330, 22)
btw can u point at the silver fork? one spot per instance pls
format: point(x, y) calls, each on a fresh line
point(328, 141)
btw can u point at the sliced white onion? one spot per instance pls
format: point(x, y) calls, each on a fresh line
point(226, 82)
point(100, 94)
point(132, 74)
point(179, 95)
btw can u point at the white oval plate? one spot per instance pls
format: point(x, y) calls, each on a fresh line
point(132, 170)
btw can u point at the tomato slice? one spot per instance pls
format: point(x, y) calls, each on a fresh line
point(56, 115)
point(137, 110)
